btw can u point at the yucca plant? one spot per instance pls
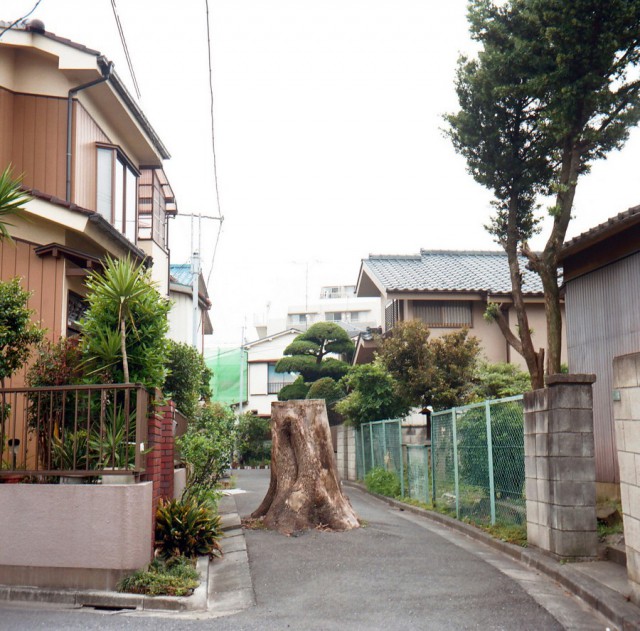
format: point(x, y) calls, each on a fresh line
point(186, 528)
point(12, 199)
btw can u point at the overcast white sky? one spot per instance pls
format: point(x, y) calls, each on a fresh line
point(328, 140)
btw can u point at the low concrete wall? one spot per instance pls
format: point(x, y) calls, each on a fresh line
point(626, 413)
point(83, 536)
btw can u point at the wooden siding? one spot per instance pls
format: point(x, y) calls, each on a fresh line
point(6, 128)
point(42, 276)
point(86, 134)
point(33, 138)
point(602, 323)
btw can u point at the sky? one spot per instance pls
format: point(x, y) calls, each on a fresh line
point(328, 137)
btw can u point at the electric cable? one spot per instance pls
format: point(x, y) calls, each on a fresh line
point(213, 144)
point(125, 47)
point(24, 17)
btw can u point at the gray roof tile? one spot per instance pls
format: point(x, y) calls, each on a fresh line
point(449, 270)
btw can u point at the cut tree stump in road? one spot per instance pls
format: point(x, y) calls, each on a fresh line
point(305, 490)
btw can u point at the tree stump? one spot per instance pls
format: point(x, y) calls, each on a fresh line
point(305, 490)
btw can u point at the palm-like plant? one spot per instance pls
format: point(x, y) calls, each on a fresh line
point(12, 199)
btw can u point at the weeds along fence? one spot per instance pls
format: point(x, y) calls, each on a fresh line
point(473, 467)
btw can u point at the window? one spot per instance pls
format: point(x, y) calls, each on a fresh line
point(116, 195)
point(445, 313)
point(76, 308)
point(155, 204)
point(278, 380)
point(298, 318)
point(334, 316)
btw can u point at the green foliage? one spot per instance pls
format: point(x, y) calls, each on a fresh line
point(17, 333)
point(383, 482)
point(455, 356)
point(207, 445)
point(326, 388)
point(187, 378)
point(307, 354)
point(12, 199)
point(253, 444)
point(186, 528)
point(507, 441)
point(435, 372)
point(174, 577)
point(554, 87)
point(373, 395)
point(56, 364)
point(296, 390)
point(125, 326)
point(496, 381)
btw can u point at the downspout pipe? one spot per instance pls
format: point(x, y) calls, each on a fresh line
point(107, 69)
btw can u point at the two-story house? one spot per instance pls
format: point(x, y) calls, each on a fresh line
point(449, 290)
point(92, 163)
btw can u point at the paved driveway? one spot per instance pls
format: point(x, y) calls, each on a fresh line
point(399, 572)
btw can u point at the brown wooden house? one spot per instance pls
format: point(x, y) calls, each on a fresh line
point(92, 163)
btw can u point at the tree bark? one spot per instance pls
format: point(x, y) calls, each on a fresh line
point(305, 490)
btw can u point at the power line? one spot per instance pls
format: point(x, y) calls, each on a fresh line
point(125, 47)
point(213, 143)
point(24, 17)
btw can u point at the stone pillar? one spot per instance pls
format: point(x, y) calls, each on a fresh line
point(626, 414)
point(560, 471)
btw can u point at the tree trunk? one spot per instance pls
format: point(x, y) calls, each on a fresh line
point(305, 489)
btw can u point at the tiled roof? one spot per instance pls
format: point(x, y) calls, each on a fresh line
point(449, 271)
point(612, 226)
point(181, 273)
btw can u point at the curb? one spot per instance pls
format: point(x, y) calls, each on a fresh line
point(113, 600)
point(612, 605)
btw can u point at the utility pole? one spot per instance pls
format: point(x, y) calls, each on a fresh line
point(241, 394)
point(195, 282)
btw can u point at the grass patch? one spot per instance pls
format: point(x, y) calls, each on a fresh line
point(604, 530)
point(252, 523)
point(176, 577)
point(511, 533)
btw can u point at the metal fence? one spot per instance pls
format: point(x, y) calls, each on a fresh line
point(473, 468)
point(379, 444)
point(73, 430)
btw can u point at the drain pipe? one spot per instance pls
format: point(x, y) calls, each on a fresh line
point(107, 69)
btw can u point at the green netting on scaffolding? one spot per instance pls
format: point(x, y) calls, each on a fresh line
point(418, 487)
point(229, 381)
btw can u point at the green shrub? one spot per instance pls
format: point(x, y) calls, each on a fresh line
point(383, 482)
point(253, 444)
point(186, 528)
point(176, 577)
point(208, 444)
point(296, 390)
point(326, 388)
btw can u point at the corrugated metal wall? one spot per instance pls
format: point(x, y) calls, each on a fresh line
point(603, 321)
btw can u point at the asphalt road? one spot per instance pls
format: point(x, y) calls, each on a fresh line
point(398, 572)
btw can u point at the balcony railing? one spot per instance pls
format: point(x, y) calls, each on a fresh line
point(76, 431)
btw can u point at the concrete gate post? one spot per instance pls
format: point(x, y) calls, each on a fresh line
point(560, 473)
point(626, 413)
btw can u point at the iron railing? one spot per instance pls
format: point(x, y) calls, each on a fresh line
point(75, 431)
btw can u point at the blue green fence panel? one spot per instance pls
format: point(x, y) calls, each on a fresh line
point(379, 444)
point(478, 461)
point(418, 476)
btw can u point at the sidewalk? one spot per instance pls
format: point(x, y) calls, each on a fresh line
point(602, 585)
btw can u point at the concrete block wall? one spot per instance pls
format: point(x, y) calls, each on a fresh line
point(626, 414)
point(560, 469)
point(346, 455)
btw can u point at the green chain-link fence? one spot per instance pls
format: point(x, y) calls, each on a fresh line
point(474, 465)
point(478, 461)
point(379, 444)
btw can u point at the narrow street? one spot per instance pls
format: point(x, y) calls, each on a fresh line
point(399, 571)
